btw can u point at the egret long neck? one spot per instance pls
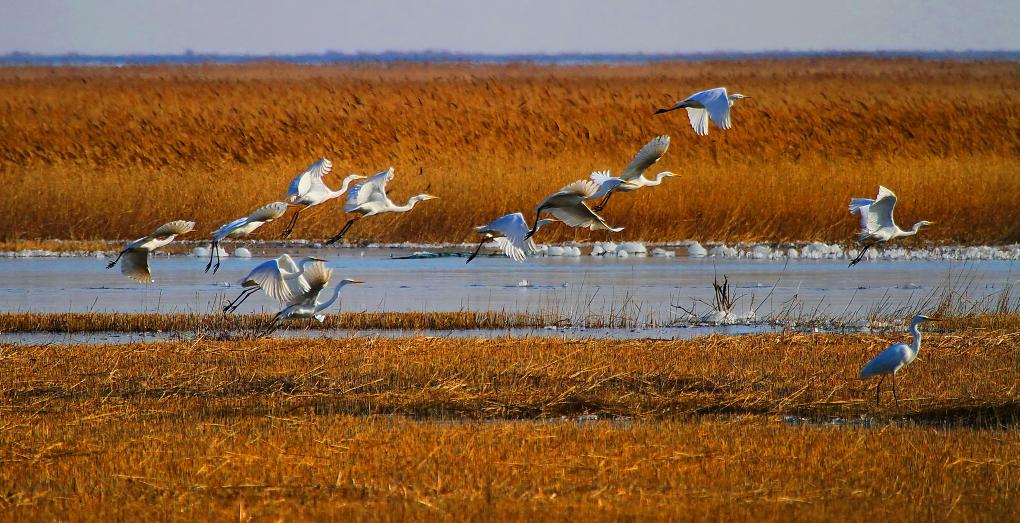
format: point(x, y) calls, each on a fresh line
point(408, 206)
point(343, 187)
point(319, 307)
point(915, 331)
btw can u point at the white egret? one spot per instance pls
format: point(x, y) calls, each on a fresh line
point(711, 104)
point(308, 190)
point(568, 205)
point(368, 198)
point(891, 360)
point(280, 278)
point(308, 304)
point(136, 253)
point(509, 231)
point(632, 178)
point(877, 223)
point(242, 227)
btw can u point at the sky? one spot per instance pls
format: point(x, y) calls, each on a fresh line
point(510, 26)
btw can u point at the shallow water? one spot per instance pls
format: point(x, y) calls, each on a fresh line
point(638, 287)
point(661, 333)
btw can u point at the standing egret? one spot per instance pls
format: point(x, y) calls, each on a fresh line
point(308, 190)
point(368, 198)
point(308, 304)
point(568, 205)
point(509, 233)
point(136, 253)
point(632, 177)
point(877, 223)
point(280, 278)
point(242, 227)
point(711, 104)
point(891, 360)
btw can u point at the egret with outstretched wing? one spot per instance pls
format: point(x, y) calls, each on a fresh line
point(280, 278)
point(568, 205)
point(309, 304)
point(711, 104)
point(368, 198)
point(632, 178)
point(308, 189)
point(242, 227)
point(510, 233)
point(136, 253)
point(877, 224)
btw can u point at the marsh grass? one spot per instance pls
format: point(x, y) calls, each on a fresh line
point(427, 428)
point(211, 143)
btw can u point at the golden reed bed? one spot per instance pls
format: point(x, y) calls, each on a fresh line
point(103, 153)
point(431, 428)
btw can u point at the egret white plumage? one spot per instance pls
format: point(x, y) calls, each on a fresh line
point(632, 178)
point(136, 253)
point(509, 232)
point(891, 360)
point(368, 198)
point(308, 304)
point(280, 278)
point(242, 227)
point(711, 104)
point(308, 189)
point(568, 204)
point(877, 224)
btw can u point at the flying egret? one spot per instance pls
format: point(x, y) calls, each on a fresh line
point(891, 360)
point(136, 253)
point(877, 223)
point(632, 177)
point(368, 198)
point(711, 104)
point(308, 190)
point(242, 227)
point(509, 233)
point(568, 205)
point(280, 278)
point(308, 304)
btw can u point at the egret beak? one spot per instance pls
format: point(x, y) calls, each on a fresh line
point(430, 197)
point(316, 258)
point(356, 281)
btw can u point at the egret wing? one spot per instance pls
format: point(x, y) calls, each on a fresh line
point(887, 361)
point(226, 228)
point(583, 188)
point(287, 263)
point(173, 228)
point(605, 182)
point(317, 276)
point(135, 265)
point(514, 229)
point(269, 277)
point(699, 120)
point(303, 183)
point(880, 213)
point(645, 158)
point(512, 251)
point(268, 213)
point(372, 189)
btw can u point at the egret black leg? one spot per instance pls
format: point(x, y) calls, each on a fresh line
point(342, 232)
point(115, 260)
point(293, 222)
point(894, 390)
point(232, 306)
point(859, 257)
point(212, 252)
point(271, 328)
point(477, 249)
point(602, 204)
point(878, 389)
point(538, 212)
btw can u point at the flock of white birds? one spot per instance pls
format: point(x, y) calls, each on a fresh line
point(299, 286)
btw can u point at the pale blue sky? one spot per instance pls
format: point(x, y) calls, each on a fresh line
point(510, 26)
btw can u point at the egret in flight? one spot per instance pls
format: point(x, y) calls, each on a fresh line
point(308, 190)
point(509, 232)
point(242, 227)
point(877, 223)
point(891, 360)
point(568, 205)
point(280, 278)
point(309, 304)
point(632, 177)
point(136, 253)
point(711, 104)
point(368, 198)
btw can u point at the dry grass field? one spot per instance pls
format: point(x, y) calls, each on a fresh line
point(108, 153)
point(429, 428)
